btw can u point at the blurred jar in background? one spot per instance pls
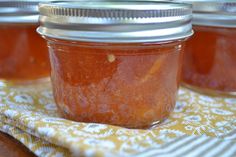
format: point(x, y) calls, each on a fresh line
point(210, 56)
point(23, 53)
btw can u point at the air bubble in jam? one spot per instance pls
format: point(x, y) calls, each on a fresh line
point(130, 85)
point(111, 58)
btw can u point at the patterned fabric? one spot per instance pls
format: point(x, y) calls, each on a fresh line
point(28, 113)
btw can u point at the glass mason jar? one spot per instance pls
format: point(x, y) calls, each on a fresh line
point(23, 53)
point(210, 58)
point(115, 62)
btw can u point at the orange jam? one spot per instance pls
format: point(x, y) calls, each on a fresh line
point(132, 85)
point(116, 63)
point(23, 53)
point(210, 59)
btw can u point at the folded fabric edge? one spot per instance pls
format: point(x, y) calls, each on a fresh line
point(36, 145)
point(74, 150)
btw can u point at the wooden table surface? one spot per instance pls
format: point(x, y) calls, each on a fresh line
point(9, 147)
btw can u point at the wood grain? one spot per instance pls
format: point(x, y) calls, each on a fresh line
point(9, 147)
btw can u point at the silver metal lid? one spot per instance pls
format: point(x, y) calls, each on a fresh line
point(220, 13)
point(115, 22)
point(19, 11)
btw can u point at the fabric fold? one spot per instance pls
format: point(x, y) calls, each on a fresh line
point(29, 114)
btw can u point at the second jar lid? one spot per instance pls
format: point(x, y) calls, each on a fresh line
point(213, 12)
point(19, 11)
point(116, 22)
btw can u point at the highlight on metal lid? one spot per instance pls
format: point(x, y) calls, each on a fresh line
point(119, 22)
point(19, 11)
point(220, 13)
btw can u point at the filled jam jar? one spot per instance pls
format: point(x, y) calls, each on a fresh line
point(23, 53)
point(116, 63)
point(210, 57)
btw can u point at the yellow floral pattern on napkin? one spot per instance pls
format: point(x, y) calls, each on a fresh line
point(29, 114)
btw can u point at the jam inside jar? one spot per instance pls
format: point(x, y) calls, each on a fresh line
point(210, 60)
point(132, 85)
point(24, 54)
point(111, 66)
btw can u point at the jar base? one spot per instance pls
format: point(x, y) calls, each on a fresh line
point(151, 126)
point(210, 92)
point(16, 83)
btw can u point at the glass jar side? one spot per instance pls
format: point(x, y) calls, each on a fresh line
point(131, 85)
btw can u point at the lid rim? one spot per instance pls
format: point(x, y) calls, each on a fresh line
point(109, 40)
point(215, 21)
